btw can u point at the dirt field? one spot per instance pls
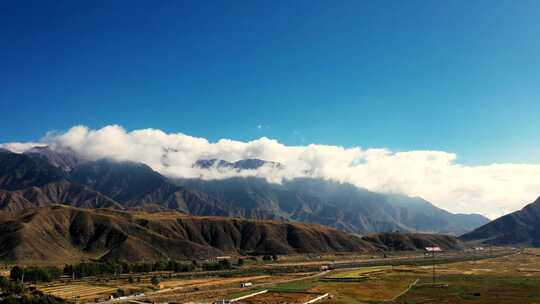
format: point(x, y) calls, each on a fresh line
point(331, 259)
point(279, 297)
point(81, 291)
point(213, 289)
point(201, 283)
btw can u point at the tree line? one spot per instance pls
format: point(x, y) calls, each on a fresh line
point(50, 273)
point(87, 269)
point(115, 268)
point(35, 273)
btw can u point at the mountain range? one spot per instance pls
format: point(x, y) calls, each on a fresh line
point(59, 234)
point(43, 176)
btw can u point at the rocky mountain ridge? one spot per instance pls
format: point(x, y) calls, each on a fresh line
point(60, 234)
point(43, 177)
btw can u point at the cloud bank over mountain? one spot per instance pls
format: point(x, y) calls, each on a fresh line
point(491, 190)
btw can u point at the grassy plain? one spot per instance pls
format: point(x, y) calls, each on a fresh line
point(508, 279)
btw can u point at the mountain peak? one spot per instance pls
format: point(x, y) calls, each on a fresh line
point(30, 179)
point(65, 158)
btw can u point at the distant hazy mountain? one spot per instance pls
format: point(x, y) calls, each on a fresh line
point(339, 205)
point(42, 177)
point(520, 228)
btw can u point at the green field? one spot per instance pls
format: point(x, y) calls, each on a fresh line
point(476, 289)
point(295, 286)
point(358, 272)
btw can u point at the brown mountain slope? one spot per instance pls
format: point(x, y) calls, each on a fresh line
point(520, 228)
point(59, 234)
point(42, 176)
point(412, 241)
point(61, 191)
point(18, 171)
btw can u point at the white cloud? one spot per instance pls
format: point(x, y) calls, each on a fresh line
point(491, 190)
point(20, 147)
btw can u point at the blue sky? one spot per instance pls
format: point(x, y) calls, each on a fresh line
point(458, 76)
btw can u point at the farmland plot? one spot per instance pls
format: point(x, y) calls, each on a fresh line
point(82, 291)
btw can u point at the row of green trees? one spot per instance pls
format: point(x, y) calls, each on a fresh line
point(49, 273)
point(35, 274)
point(114, 268)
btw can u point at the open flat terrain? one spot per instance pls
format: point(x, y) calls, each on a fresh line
point(379, 284)
point(460, 278)
point(509, 279)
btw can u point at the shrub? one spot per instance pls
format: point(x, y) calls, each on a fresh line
point(11, 287)
point(184, 267)
point(226, 264)
point(155, 280)
point(16, 273)
point(212, 266)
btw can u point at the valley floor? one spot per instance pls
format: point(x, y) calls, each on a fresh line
point(501, 276)
point(508, 279)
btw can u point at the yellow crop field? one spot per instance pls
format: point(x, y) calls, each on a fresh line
point(70, 291)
